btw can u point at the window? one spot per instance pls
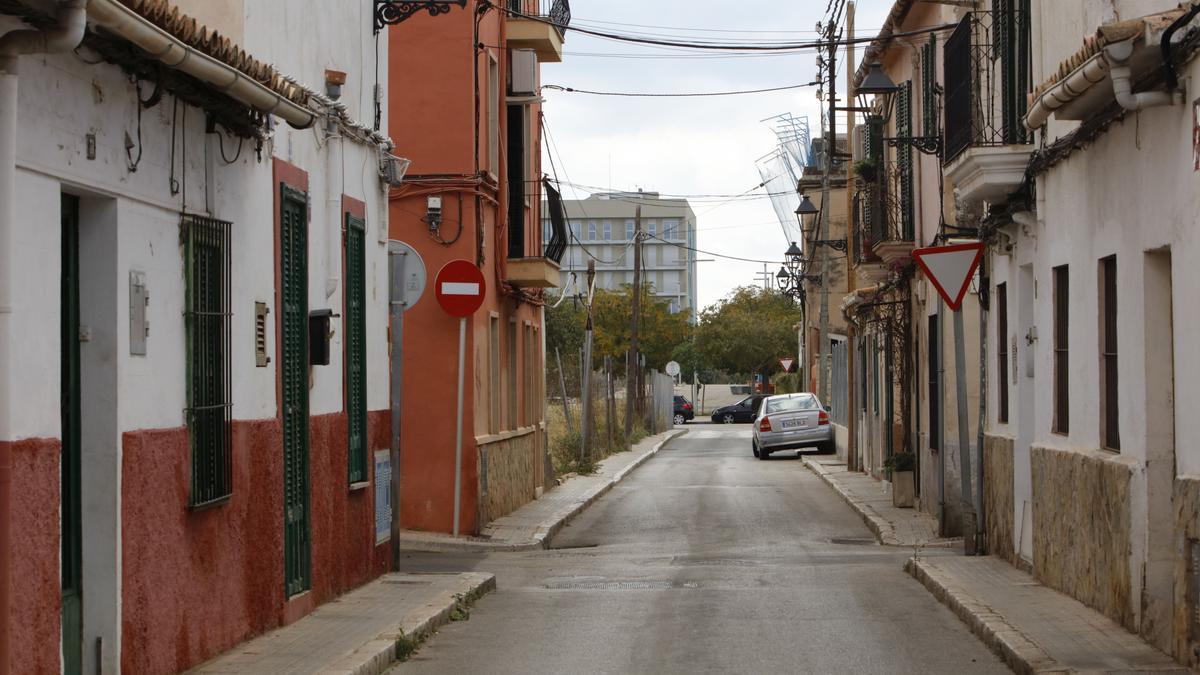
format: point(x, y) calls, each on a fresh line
point(493, 115)
point(670, 229)
point(518, 169)
point(1110, 432)
point(576, 229)
point(513, 401)
point(607, 230)
point(494, 380)
point(629, 228)
point(591, 230)
point(928, 82)
point(904, 158)
point(934, 339)
point(1062, 405)
point(1002, 352)
point(652, 227)
point(356, 348)
point(206, 318)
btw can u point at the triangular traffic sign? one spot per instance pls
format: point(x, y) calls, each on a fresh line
point(950, 268)
point(787, 364)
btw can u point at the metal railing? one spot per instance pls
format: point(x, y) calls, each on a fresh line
point(557, 12)
point(987, 71)
point(881, 211)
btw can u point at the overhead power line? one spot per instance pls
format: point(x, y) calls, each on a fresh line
point(782, 46)
point(718, 255)
point(572, 90)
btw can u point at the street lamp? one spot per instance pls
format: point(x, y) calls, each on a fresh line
point(808, 210)
point(877, 84)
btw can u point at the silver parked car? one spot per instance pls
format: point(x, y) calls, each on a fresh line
point(789, 421)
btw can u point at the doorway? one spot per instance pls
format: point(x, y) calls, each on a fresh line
point(293, 296)
point(70, 409)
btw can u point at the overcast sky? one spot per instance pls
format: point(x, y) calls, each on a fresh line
point(690, 146)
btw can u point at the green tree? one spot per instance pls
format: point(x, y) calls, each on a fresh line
point(748, 331)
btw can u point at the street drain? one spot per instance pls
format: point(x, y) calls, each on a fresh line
point(853, 541)
point(585, 585)
point(572, 547)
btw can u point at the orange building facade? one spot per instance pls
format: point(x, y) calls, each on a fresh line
point(464, 104)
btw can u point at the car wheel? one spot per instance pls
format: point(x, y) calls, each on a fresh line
point(763, 453)
point(679, 419)
point(754, 448)
point(727, 418)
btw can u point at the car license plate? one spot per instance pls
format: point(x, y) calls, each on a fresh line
point(792, 424)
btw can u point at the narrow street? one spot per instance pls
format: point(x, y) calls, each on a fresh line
point(704, 560)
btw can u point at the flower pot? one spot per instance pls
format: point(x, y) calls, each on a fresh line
point(903, 489)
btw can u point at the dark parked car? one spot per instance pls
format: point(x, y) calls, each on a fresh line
point(683, 410)
point(744, 410)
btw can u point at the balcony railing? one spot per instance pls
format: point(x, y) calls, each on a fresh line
point(987, 74)
point(557, 12)
point(883, 210)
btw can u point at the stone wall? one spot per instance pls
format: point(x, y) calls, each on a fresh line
point(1081, 529)
point(1187, 528)
point(998, 495)
point(508, 473)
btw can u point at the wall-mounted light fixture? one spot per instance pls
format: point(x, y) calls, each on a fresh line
point(392, 12)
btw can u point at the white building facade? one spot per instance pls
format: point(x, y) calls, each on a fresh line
point(602, 228)
point(180, 238)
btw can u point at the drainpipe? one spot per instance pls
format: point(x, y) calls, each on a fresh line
point(72, 16)
point(333, 207)
point(1122, 78)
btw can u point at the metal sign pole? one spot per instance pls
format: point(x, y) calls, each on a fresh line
point(458, 423)
point(964, 443)
point(398, 305)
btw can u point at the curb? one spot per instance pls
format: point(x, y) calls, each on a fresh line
point(444, 543)
point(1015, 648)
point(877, 524)
point(378, 655)
point(881, 528)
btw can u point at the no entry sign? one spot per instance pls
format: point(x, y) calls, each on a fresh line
point(460, 288)
point(950, 268)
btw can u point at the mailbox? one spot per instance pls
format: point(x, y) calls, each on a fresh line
point(320, 331)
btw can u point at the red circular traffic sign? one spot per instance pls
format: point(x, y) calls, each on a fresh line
point(460, 287)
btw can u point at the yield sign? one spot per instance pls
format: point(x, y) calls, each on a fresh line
point(950, 268)
point(459, 287)
point(787, 364)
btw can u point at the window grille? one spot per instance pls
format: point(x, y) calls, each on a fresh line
point(207, 327)
point(356, 348)
point(1002, 351)
point(904, 157)
point(928, 84)
point(1108, 353)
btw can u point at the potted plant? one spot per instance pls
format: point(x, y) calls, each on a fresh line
point(865, 170)
point(901, 465)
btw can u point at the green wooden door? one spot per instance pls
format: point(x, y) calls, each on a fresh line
point(293, 291)
point(72, 592)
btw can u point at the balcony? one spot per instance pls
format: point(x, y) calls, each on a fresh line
point(540, 25)
point(884, 226)
point(530, 265)
point(987, 74)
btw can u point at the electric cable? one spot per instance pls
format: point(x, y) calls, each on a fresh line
point(719, 255)
point(572, 90)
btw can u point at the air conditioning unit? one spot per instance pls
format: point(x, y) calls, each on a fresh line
point(524, 72)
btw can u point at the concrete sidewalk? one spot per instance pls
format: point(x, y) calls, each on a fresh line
point(873, 502)
point(1035, 629)
point(362, 632)
point(532, 526)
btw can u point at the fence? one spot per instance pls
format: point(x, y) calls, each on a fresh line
point(600, 407)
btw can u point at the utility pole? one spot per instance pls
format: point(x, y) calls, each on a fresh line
point(631, 367)
point(585, 424)
point(825, 363)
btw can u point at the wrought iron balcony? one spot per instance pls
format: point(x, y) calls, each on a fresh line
point(987, 75)
point(884, 224)
point(540, 25)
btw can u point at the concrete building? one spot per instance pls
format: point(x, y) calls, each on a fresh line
point(468, 117)
point(603, 225)
point(192, 333)
point(1091, 479)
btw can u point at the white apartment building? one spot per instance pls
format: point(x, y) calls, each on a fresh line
point(602, 227)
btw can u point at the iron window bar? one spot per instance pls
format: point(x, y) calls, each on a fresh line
point(207, 315)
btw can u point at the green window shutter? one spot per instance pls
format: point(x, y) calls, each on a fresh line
point(293, 294)
point(206, 318)
point(928, 82)
point(904, 157)
point(356, 347)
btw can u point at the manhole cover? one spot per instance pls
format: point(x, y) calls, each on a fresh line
point(853, 541)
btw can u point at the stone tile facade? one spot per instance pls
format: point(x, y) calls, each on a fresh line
point(998, 495)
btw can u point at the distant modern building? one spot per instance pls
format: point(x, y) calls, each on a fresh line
point(603, 225)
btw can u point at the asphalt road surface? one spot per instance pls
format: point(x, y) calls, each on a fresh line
point(705, 560)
